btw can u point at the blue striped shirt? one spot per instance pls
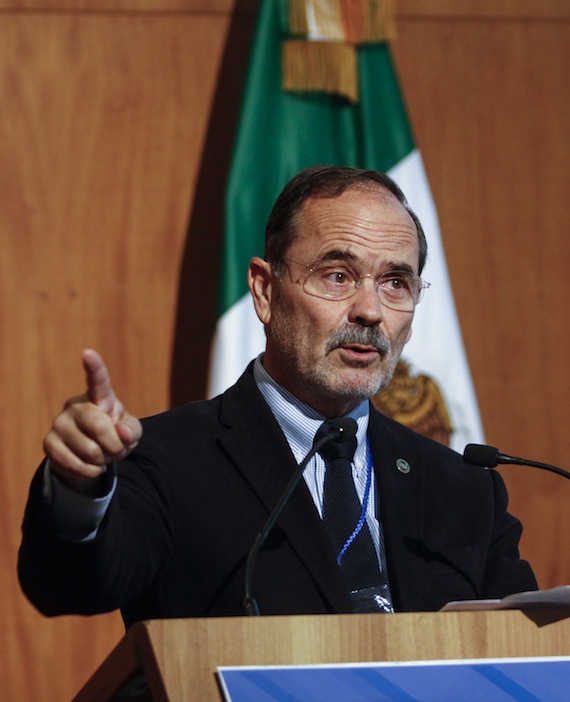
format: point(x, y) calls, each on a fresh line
point(300, 422)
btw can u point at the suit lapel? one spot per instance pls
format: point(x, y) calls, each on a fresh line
point(399, 484)
point(259, 450)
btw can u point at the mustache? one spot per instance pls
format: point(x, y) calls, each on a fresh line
point(367, 336)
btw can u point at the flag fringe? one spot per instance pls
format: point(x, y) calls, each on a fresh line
point(323, 58)
point(323, 66)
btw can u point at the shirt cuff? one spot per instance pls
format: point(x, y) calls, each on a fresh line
point(75, 516)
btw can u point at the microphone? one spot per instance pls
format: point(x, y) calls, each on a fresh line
point(489, 457)
point(343, 429)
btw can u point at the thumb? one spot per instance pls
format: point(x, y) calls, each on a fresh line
point(129, 430)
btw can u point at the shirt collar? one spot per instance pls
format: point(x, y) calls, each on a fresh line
point(300, 422)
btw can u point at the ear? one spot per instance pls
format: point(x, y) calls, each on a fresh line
point(259, 281)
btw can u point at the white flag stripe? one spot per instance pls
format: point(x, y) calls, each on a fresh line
point(239, 338)
point(436, 347)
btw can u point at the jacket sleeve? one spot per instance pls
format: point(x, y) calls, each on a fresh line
point(64, 576)
point(505, 571)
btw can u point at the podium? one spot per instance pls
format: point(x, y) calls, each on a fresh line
point(176, 660)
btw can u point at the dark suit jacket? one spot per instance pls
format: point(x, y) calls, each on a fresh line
point(198, 488)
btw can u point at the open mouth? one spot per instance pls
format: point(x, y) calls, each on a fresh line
point(360, 352)
point(361, 348)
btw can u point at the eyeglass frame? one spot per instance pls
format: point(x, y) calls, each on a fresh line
point(357, 279)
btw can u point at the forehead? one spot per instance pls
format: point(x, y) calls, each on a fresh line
point(369, 223)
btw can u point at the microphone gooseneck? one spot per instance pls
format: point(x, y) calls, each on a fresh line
point(489, 457)
point(342, 429)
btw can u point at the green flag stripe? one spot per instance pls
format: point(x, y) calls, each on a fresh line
point(280, 133)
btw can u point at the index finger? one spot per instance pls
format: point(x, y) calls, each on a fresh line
point(99, 390)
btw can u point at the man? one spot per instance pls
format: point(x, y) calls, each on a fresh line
point(166, 532)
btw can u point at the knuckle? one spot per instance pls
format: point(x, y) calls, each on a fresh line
point(49, 443)
point(91, 420)
point(60, 422)
point(99, 423)
point(91, 453)
point(72, 401)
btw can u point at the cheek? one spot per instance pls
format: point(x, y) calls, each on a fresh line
point(311, 316)
point(303, 320)
point(399, 330)
point(290, 321)
point(321, 327)
point(326, 315)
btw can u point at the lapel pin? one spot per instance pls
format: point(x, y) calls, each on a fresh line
point(403, 466)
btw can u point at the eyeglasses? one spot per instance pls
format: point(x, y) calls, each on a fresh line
point(335, 280)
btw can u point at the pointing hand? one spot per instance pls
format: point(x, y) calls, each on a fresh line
point(93, 429)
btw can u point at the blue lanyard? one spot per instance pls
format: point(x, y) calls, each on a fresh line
point(365, 501)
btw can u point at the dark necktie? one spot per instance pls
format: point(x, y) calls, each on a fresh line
point(342, 512)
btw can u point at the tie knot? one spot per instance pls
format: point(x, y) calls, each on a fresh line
point(342, 447)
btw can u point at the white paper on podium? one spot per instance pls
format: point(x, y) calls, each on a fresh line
point(555, 598)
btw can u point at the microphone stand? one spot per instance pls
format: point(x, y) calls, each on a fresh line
point(342, 426)
point(490, 456)
point(505, 459)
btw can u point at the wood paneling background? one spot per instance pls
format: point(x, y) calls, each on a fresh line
point(492, 116)
point(116, 118)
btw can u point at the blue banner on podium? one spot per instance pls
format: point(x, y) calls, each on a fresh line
point(487, 680)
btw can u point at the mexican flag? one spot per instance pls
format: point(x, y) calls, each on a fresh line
point(279, 133)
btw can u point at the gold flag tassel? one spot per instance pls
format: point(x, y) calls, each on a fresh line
point(320, 66)
point(325, 59)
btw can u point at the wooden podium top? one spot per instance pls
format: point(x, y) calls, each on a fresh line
point(176, 659)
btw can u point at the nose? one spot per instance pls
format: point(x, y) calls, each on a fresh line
point(366, 308)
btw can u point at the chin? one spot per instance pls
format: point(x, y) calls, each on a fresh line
point(366, 376)
point(358, 389)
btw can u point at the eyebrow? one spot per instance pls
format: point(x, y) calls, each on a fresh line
point(399, 266)
point(336, 255)
point(346, 255)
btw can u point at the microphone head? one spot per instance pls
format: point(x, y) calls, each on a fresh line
point(480, 455)
point(344, 429)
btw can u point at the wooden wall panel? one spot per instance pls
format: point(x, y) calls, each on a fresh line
point(116, 118)
point(102, 123)
point(492, 117)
